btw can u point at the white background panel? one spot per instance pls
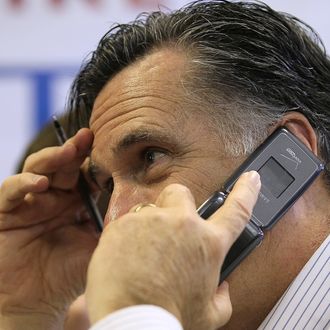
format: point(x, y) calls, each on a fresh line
point(16, 124)
point(60, 93)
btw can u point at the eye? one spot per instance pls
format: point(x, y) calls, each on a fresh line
point(151, 156)
point(155, 163)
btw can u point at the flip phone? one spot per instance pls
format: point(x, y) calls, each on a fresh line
point(286, 168)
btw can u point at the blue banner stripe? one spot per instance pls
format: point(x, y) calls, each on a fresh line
point(41, 80)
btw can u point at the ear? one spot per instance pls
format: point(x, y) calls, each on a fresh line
point(299, 126)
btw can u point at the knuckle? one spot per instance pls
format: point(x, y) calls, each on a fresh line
point(252, 189)
point(241, 209)
point(175, 187)
point(22, 180)
point(160, 216)
point(216, 240)
point(185, 221)
point(5, 185)
point(219, 245)
point(188, 216)
point(30, 159)
point(9, 182)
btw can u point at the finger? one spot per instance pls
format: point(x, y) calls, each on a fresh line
point(62, 164)
point(177, 196)
point(49, 159)
point(232, 218)
point(83, 140)
point(62, 230)
point(59, 164)
point(67, 176)
point(14, 189)
point(222, 306)
point(137, 208)
point(45, 207)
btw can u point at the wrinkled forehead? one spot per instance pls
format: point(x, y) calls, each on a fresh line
point(159, 74)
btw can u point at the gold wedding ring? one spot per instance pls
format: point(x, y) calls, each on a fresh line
point(139, 207)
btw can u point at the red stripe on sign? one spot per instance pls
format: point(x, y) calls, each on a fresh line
point(16, 3)
point(57, 3)
point(138, 3)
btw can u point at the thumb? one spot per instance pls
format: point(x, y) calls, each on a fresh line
point(231, 219)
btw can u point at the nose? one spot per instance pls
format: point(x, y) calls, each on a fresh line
point(126, 195)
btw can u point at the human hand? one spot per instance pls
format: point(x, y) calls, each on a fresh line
point(43, 252)
point(168, 256)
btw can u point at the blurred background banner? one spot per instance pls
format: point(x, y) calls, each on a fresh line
point(43, 43)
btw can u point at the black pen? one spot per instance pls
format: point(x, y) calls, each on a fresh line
point(83, 187)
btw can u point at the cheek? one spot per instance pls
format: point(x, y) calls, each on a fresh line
point(126, 195)
point(111, 214)
point(202, 181)
point(122, 200)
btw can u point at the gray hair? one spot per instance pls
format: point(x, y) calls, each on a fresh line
point(249, 66)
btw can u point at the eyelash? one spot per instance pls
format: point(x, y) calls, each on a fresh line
point(147, 152)
point(108, 185)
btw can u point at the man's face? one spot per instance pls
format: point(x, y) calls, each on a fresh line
point(148, 135)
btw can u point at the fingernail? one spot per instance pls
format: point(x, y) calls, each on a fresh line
point(253, 177)
point(36, 178)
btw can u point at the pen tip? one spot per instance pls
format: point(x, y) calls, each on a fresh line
point(56, 122)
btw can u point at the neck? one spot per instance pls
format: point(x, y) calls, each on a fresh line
point(261, 279)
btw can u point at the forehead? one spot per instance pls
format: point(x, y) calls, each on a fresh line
point(148, 93)
point(158, 74)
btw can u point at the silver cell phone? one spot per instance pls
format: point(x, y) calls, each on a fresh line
point(286, 168)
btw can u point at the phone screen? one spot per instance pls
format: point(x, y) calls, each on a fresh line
point(274, 177)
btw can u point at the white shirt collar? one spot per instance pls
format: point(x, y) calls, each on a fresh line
point(306, 302)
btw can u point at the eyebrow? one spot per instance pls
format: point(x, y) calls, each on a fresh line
point(142, 135)
point(139, 135)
